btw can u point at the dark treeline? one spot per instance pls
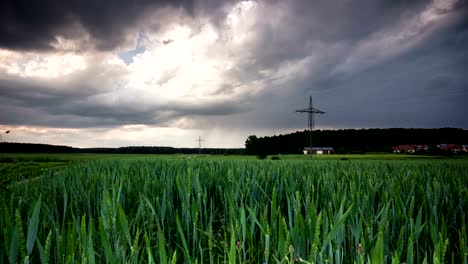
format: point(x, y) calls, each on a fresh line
point(343, 141)
point(162, 150)
point(7, 147)
point(45, 148)
point(354, 140)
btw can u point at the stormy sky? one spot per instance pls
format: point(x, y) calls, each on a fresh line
point(114, 73)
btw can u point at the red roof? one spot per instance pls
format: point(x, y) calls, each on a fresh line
point(405, 147)
point(450, 147)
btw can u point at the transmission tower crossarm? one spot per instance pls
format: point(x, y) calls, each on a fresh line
point(311, 110)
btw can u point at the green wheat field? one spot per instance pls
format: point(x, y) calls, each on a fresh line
point(229, 210)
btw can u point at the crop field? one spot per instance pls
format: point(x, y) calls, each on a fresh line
point(237, 211)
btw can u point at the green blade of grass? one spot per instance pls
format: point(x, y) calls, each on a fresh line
point(91, 257)
point(182, 238)
point(232, 250)
point(32, 227)
point(148, 249)
point(105, 242)
point(14, 246)
point(378, 253)
point(161, 246)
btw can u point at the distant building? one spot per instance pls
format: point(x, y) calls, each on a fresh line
point(409, 148)
point(319, 150)
point(465, 148)
point(452, 147)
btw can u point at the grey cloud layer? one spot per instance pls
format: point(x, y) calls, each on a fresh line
point(380, 91)
point(35, 25)
point(420, 86)
point(78, 106)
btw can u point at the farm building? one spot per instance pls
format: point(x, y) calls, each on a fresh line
point(319, 150)
point(409, 148)
point(452, 147)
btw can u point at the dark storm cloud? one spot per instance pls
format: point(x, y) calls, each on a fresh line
point(315, 23)
point(79, 106)
point(35, 25)
point(40, 104)
point(423, 85)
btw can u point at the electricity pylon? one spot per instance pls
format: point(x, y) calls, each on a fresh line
point(199, 144)
point(311, 120)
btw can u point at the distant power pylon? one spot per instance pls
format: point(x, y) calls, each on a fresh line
point(199, 144)
point(311, 122)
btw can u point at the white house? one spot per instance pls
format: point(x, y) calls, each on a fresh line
point(319, 150)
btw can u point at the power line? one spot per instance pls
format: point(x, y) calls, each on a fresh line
point(311, 111)
point(199, 144)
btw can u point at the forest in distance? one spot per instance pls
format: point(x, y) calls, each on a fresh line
point(46, 148)
point(344, 141)
point(349, 141)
